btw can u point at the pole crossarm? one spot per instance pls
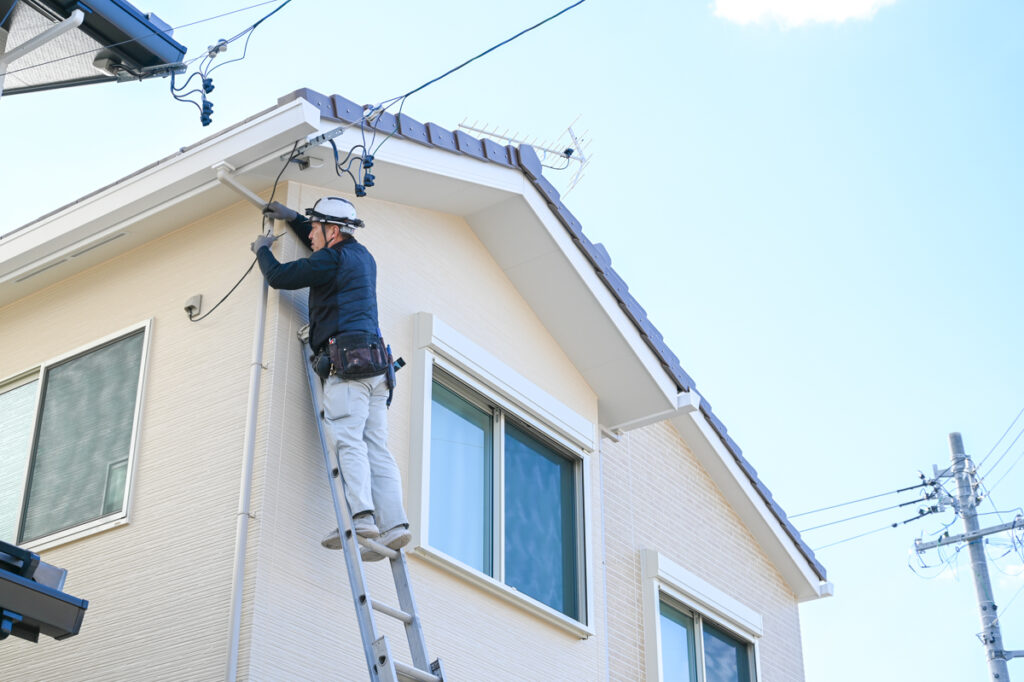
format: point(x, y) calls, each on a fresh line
point(1013, 654)
point(967, 537)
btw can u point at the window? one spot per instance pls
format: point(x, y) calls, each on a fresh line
point(497, 472)
point(695, 632)
point(67, 431)
point(503, 498)
point(695, 650)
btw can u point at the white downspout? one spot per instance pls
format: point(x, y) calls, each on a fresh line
point(249, 449)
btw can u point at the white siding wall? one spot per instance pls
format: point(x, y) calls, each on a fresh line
point(657, 496)
point(158, 588)
point(429, 262)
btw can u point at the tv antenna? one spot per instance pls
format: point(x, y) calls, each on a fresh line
point(567, 149)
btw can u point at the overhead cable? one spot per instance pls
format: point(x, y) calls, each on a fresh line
point(858, 516)
point(251, 265)
point(363, 178)
point(863, 499)
point(932, 510)
point(1008, 428)
point(489, 50)
point(1000, 480)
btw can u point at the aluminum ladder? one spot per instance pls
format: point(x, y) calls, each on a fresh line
point(382, 667)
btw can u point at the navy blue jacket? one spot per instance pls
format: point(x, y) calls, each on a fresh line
point(342, 283)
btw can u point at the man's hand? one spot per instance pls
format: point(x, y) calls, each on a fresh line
point(278, 211)
point(263, 240)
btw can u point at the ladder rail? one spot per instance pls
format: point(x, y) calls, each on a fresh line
point(382, 667)
point(353, 564)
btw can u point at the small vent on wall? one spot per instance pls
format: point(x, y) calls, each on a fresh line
point(33, 274)
point(98, 244)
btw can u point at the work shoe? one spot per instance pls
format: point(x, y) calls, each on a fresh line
point(397, 537)
point(364, 526)
point(332, 540)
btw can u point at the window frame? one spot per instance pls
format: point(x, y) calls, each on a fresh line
point(39, 373)
point(664, 581)
point(482, 380)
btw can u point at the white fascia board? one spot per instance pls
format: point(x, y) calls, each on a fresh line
point(658, 388)
point(748, 504)
point(91, 219)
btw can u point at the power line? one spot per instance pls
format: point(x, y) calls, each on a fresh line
point(932, 510)
point(1005, 452)
point(366, 160)
point(863, 499)
point(489, 50)
point(858, 516)
point(1015, 463)
point(1001, 437)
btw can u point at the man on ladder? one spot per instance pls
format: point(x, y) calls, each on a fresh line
point(350, 358)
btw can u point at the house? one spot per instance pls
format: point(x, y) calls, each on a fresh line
point(579, 511)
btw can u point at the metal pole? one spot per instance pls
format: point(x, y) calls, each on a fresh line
point(249, 447)
point(991, 635)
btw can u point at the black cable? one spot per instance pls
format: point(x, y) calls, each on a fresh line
point(400, 100)
point(273, 191)
point(492, 49)
point(858, 516)
point(863, 499)
point(207, 313)
point(877, 530)
point(132, 40)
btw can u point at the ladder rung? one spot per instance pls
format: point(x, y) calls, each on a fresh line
point(415, 673)
point(377, 547)
point(391, 611)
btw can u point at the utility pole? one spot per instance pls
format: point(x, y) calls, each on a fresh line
point(964, 473)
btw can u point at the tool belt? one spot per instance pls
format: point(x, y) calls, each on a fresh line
point(356, 355)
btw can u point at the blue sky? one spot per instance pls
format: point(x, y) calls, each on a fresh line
point(816, 203)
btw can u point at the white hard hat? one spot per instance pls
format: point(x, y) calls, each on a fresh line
point(335, 210)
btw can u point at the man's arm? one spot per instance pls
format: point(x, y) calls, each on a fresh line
point(305, 272)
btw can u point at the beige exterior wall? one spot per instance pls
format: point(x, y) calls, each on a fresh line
point(427, 262)
point(658, 497)
point(159, 587)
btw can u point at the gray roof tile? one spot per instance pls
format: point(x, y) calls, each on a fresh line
point(411, 129)
point(441, 137)
point(469, 145)
point(346, 110)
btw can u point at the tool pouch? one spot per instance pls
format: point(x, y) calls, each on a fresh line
point(321, 365)
point(358, 355)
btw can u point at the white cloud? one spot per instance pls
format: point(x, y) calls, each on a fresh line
point(791, 13)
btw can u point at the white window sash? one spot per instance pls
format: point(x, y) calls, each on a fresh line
point(571, 435)
point(665, 580)
point(113, 519)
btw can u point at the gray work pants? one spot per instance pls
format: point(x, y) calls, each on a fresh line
point(356, 422)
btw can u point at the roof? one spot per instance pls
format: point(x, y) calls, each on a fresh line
point(525, 158)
